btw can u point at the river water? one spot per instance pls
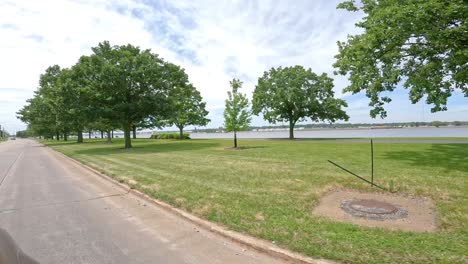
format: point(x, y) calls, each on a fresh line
point(347, 133)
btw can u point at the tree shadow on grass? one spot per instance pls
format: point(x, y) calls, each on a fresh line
point(147, 147)
point(319, 139)
point(244, 148)
point(72, 142)
point(446, 156)
point(60, 143)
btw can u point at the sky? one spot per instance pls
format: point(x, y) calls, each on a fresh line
point(214, 41)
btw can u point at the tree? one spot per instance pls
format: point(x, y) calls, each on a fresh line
point(48, 92)
point(422, 44)
point(55, 108)
point(74, 101)
point(187, 108)
point(43, 111)
point(294, 94)
point(236, 114)
point(115, 87)
point(131, 84)
point(438, 123)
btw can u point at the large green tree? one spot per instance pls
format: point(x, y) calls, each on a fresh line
point(36, 113)
point(188, 107)
point(74, 97)
point(43, 112)
point(131, 85)
point(237, 116)
point(422, 44)
point(293, 94)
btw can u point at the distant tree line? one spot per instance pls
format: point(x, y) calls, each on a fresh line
point(116, 87)
point(3, 133)
point(346, 125)
point(24, 133)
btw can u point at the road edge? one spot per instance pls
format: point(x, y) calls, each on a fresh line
point(257, 244)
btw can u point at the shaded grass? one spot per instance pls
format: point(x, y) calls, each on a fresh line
point(270, 188)
point(390, 138)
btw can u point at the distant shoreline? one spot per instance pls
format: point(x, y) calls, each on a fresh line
point(319, 129)
point(404, 132)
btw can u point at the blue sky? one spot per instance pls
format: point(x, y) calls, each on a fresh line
point(214, 41)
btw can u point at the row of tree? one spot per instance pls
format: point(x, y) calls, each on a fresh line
point(125, 88)
point(116, 87)
point(290, 94)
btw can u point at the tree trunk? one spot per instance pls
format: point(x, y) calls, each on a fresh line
point(102, 134)
point(109, 138)
point(235, 139)
point(181, 132)
point(291, 129)
point(65, 136)
point(80, 136)
point(89, 134)
point(57, 135)
point(128, 140)
point(134, 131)
point(112, 133)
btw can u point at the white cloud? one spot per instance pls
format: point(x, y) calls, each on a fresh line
point(37, 34)
point(213, 40)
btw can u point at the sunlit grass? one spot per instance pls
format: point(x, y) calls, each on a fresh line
point(269, 190)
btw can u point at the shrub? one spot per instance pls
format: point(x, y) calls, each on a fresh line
point(169, 136)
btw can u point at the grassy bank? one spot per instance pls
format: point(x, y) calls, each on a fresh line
point(269, 190)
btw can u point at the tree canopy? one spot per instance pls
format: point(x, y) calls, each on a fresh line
point(293, 94)
point(131, 85)
point(187, 106)
point(237, 116)
point(120, 87)
point(421, 44)
point(43, 111)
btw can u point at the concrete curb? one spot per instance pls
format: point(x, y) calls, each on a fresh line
point(259, 245)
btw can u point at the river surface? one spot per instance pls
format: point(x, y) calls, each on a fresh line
point(432, 132)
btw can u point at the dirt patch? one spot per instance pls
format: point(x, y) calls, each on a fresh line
point(419, 214)
point(259, 216)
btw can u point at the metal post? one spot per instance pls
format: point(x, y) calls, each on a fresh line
point(354, 174)
point(372, 161)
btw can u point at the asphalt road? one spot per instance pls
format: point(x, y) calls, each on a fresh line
point(59, 212)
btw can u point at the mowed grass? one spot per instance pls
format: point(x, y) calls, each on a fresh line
point(270, 189)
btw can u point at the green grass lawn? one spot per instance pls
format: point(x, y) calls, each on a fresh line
point(269, 190)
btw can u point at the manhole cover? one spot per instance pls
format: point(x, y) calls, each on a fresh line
point(373, 209)
point(373, 206)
